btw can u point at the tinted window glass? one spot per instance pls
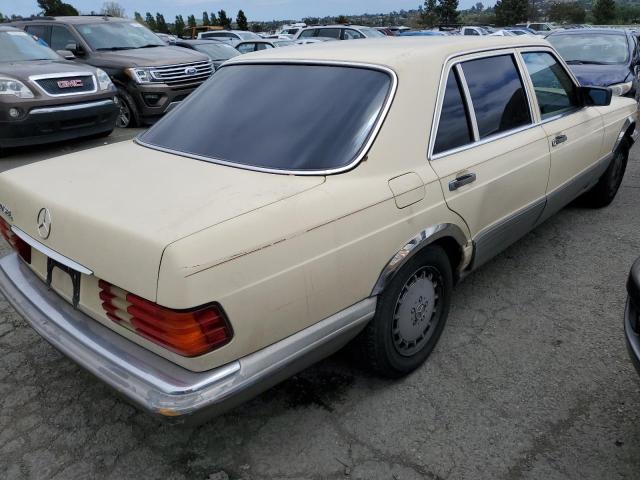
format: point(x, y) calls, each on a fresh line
point(61, 37)
point(555, 91)
point(246, 47)
point(325, 116)
point(351, 34)
point(16, 46)
point(308, 33)
point(37, 30)
point(453, 129)
point(499, 99)
point(329, 32)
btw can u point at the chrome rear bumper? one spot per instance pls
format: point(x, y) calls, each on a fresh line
point(154, 383)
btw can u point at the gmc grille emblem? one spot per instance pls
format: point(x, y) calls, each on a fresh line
point(75, 83)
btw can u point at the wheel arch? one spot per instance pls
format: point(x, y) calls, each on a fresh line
point(446, 235)
point(627, 131)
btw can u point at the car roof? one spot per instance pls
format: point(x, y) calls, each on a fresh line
point(6, 28)
point(338, 25)
point(398, 53)
point(75, 20)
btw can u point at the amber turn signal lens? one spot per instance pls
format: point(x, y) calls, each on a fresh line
point(19, 245)
point(187, 333)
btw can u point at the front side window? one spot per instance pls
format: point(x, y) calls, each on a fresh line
point(498, 95)
point(555, 91)
point(61, 37)
point(454, 127)
point(39, 31)
point(470, 31)
point(326, 115)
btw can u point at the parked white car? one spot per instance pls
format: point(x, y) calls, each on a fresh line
point(339, 32)
point(218, 254)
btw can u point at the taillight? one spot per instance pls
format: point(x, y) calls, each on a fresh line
point(19, 245)
point(187, 333)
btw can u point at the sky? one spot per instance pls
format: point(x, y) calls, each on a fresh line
point(259, 10)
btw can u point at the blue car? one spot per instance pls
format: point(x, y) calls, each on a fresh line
point(601, 57)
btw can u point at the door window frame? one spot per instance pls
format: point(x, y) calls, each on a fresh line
point(456, 61)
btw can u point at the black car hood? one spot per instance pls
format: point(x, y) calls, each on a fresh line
point(601, 75)
point(23, 70)
point(146, 57)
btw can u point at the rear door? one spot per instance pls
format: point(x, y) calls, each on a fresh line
point(490, 154)
point(574, 133)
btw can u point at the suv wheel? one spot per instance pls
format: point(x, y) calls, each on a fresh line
point(410, 315)
point(128, 115)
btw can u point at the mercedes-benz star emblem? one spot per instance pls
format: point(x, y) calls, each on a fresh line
point(44, 223)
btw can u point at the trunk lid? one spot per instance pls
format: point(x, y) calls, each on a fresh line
point(115, 209)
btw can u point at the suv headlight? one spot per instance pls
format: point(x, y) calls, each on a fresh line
point(9, 86)
point(621, 89)
point(104, 82)
point(140, 75)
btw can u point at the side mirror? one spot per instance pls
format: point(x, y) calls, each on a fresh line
point(66, 54)
point(595, 96)
point(75, 48)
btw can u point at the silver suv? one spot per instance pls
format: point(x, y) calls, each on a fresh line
point(339, 32)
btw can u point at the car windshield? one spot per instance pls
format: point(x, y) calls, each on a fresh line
point(326, 115)
point(118, 35)
point(248, 36)
point(17, 46)
point(217, 51)
point(596, 48)
point(371, 32)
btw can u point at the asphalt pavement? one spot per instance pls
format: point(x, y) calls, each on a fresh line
point(531, 380)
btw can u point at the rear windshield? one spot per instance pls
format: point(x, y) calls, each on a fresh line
point(18, 46)
point(277, 117)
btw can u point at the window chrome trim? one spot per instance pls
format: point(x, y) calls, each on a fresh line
point(458, 58)
point(468, 102)
point(50, 253)
point(46, 76)
point(362, 152)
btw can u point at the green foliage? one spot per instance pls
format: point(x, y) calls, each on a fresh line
point(510, 12)
point(178, 26)
point(604, 11)
point(56, 8)
point(567, 13)
point(430, 15)
point(223, 20)
point(448, 11)
point(241, 21)
point(191, 21)
point(2, 18)
point(138, 18)
point(161, 24)
point(151, 22)
point(442, 12)
point(205, 19)
point(213, 20)
point(342, 20)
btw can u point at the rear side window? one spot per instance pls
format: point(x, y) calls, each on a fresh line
point(326, 115)
point(498, 95)
point(555, 91)
point(454, 127)
point(308, 33)
point(329, 32)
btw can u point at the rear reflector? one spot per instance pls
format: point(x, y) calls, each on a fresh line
point(19, 245)
point(187, 333)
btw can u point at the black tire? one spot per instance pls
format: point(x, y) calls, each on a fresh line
point(382, 342)
point(128, 116)
point(603, 193)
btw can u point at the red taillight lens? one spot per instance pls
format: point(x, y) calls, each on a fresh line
point(189, 333)
point(19, 245)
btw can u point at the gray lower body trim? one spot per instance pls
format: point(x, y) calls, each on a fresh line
point(154, 383)
point(569, 191)
point(492, 240)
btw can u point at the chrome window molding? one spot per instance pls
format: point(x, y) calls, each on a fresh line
point(33, 79)
point(456, 59)
point(468, 101)
point(364, 150)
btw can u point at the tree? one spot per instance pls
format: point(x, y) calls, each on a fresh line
point(138, 18)
point(223, 20)
point(241, 21)
point(510, 12)
point(479, 7)
point(151, 22)
point(113, 9)
point(191, 21)
point(430, 14)
point(604, 11)
point(448, 11)
point(56, 8)
point(567, 12)
point(178, 26)
point(161, 24)
point(2, 18)
point(342, 20)
point(213, 20)
point(205, 19)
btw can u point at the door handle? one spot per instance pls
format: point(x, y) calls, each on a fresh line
point(558, 140)
point(462, 180)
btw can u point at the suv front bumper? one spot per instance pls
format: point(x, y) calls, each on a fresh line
point(632, 315)
point(156, 99)
point(154, 383)
point(57, 123)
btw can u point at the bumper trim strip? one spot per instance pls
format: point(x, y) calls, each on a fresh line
point(70, 108)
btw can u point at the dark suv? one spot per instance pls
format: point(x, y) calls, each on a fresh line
point(151, 76)
point(45, 98)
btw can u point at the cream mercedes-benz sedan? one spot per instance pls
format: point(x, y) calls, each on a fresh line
point(219, 253)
